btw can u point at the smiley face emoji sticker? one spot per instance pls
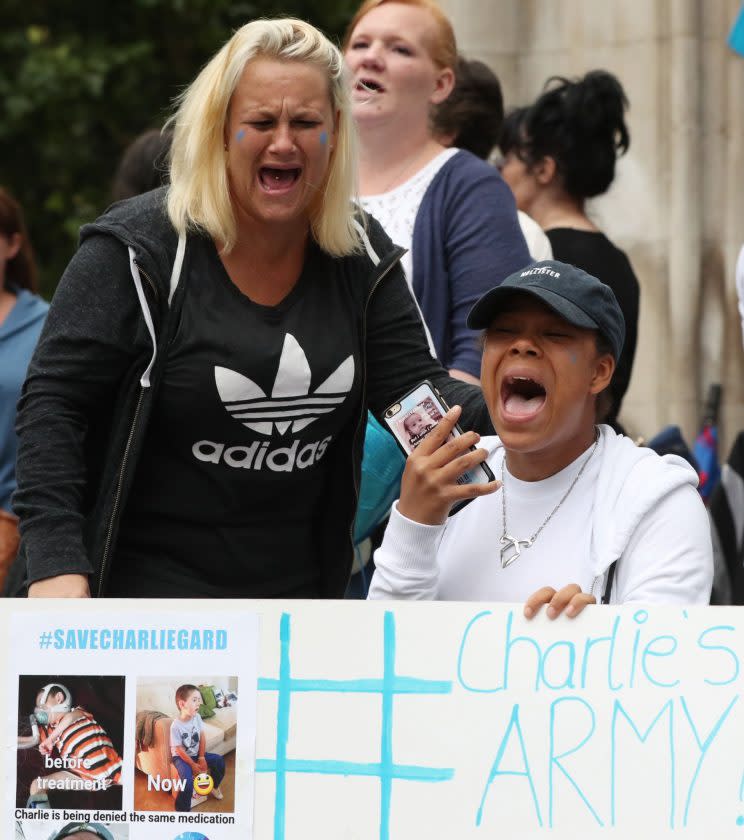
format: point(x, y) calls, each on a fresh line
point(203, 784)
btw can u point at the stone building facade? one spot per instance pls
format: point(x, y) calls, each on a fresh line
point(677, 205)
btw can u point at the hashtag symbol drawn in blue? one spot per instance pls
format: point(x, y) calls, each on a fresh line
point(385, 769)
point(45, 640)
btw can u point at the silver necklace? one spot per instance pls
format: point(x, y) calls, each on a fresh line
point(514, 544)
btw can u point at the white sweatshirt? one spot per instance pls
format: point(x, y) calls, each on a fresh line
point(629, 505)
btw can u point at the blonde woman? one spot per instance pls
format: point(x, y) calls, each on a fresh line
point(193, 420)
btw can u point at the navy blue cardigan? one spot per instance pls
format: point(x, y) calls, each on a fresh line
point(466, 240)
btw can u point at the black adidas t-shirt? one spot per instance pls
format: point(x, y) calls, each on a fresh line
point(236, 460)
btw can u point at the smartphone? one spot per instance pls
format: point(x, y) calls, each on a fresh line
point(416, 414)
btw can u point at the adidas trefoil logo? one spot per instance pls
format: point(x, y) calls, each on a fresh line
point(290, 403)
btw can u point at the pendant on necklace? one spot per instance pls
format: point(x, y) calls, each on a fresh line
point(510, 543)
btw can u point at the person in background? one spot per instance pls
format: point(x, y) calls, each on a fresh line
point(558, 153)
point(470, 118)
point(451, 210)
point(22, 314)
point(144, 164)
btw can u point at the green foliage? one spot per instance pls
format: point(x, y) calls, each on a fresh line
point(80, 80)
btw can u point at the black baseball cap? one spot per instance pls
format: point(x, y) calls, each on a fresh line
point(580, 298)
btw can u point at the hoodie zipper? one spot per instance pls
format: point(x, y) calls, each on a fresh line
point(148, 278)
point(363, 414)
point(124, 460)
point(117, 497)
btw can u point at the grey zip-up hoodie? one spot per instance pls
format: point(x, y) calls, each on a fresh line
point(85, 405)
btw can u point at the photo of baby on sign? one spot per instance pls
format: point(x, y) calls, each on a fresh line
point(70, 731)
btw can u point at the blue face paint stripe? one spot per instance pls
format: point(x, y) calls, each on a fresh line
point(240, 135)
point(323, 138)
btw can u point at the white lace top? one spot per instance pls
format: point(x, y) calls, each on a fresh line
point(396, 211)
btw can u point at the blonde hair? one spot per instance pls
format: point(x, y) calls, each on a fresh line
point(199, 192)
point(442, 51)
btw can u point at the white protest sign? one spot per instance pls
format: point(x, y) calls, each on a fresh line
point(445, 720)
point(101, 698)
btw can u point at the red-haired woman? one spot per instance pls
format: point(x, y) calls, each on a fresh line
point(451, 210)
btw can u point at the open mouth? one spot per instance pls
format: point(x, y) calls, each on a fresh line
point(274, 179)
point(369, 86)
point(522, 396)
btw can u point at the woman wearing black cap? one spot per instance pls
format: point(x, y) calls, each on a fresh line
point(558, 153)
point(582, 513)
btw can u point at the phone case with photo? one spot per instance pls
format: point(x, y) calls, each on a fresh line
point(411, 418)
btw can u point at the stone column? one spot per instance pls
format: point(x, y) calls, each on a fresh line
point(685, 212)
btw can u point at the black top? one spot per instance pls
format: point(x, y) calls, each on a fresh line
point(594, 253)
point(236, 459)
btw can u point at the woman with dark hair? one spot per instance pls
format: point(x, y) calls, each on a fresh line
point(477, 91)
point(470, 118)
point(559, 152)
point(22, 314)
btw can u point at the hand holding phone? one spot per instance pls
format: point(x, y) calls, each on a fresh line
point(432, 480)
